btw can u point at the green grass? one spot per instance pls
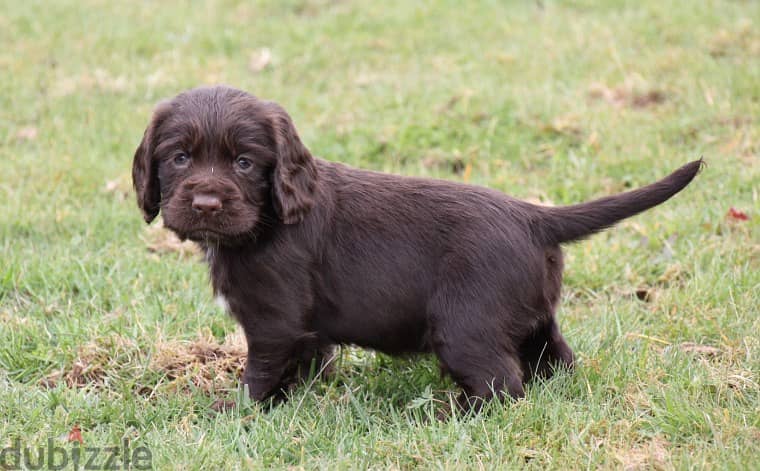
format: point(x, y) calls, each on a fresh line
point(556, 101)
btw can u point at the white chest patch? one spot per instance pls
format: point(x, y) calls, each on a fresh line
point(222, 302)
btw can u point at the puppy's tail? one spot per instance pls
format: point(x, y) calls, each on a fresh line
point(571, 223)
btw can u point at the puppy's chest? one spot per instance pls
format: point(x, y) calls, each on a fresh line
point(228, 294)
point(226, 275)
point(244, 285)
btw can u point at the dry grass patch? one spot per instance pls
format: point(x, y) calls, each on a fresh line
point(653, 454)
point(95, 361)
point(205, 363)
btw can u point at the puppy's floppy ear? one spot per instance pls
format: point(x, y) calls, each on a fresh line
point(145, 168)
point(295, 175)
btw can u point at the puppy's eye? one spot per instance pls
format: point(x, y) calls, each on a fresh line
point(181, 160)
point(243, 163)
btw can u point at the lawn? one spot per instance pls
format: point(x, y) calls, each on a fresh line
point(109, 329)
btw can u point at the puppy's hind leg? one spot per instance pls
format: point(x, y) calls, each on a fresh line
point(479, 360)
point(544, 351)
point(482, 376)
point(315, 361)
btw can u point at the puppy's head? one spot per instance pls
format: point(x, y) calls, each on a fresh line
point(215, 160)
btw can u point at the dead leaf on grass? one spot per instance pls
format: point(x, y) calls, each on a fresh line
point(742, 40)
point(75, 434)
point(27, 133)
point(120, 186)
point(467, 172)
point(259, 60)
point(160, 240)
point(646, 99)
point(630, 94)
point(699, 349)
point(673, 274)
point(734, 214)
point(567, 125)
point(593, 140)
point(97, 79)
point(463, 96)
point(440, 161)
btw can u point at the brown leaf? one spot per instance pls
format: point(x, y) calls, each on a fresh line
point(702, 350)
point(673, 273)
point(467, 172)
point(120, 186)
point(628, 94)
point(75, 434)
point(27, 133)
point(452, 163)
point(565, 125)
point(652, 97)
point(449, 104)
point(463, 96)
point(259, 60)
point(736, 214)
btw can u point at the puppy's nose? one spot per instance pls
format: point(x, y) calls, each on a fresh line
point(206, 204)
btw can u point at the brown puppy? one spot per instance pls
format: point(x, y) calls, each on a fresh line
point(310, 253)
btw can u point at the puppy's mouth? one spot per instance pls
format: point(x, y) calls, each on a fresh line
point(214, 236)
point(206, 235)
point(234, 223)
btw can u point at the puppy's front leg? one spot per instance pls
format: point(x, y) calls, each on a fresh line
point(264, 376)
point(272, 374)
point(269, 358)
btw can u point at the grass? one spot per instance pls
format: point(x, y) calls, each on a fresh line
point(553, 101)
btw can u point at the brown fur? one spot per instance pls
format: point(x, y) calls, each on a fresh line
point(311, 253)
